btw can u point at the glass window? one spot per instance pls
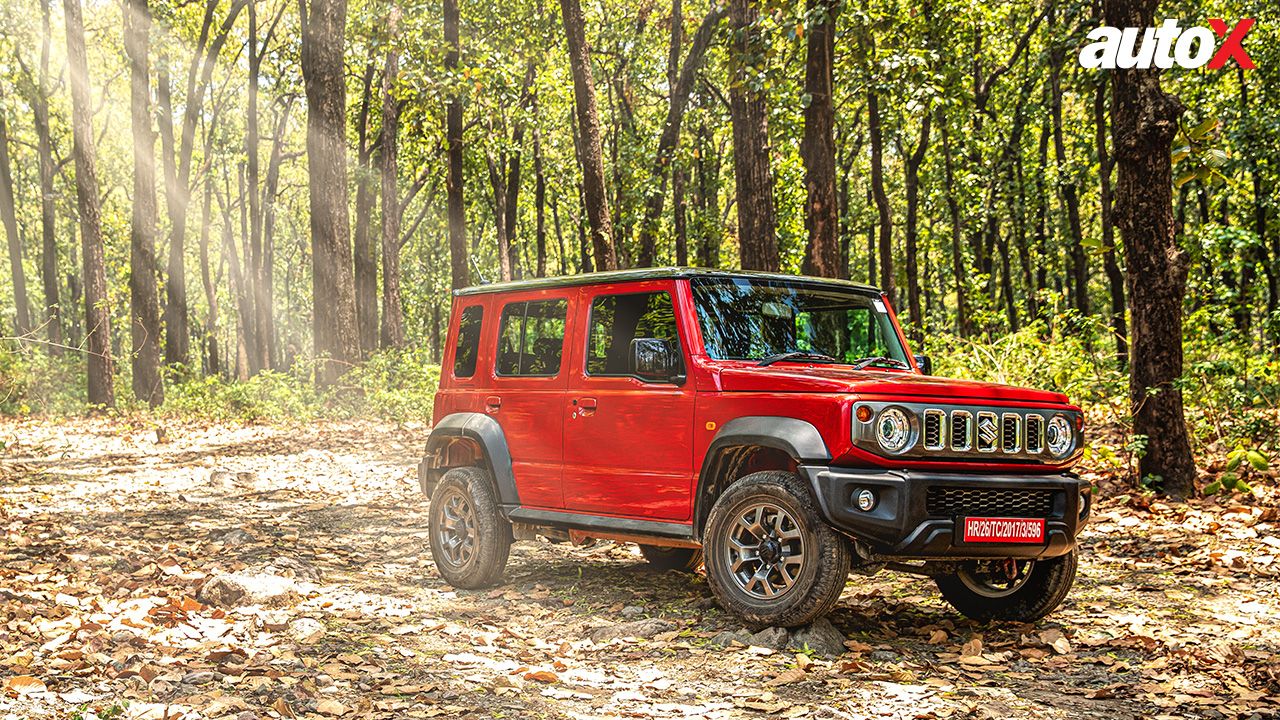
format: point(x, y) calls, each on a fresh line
point(531, 338)
point(752, 319)
point(468, 349)
point(617, 320)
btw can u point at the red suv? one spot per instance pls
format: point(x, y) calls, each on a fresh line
point(773, 428)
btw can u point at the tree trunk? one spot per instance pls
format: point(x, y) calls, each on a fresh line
point(753, 175)
point(1144, 121)
point(670, 138)
point(595, 197)
point(257, 348)
point(957, 253)
point(266, 300)
point(1079, 270)
point(818, 146)
point(707, 171)
point(48, 218)
point(882, 199)
point(912, 167)
point(498, 183)
point(212, 365)
point(10, 219)
point(392, 311)
point(143, 300)
point(1115, 278)
point(96, 303)
point(366, 268)
point(540, 204)
point(453, 140)
point(336, 340)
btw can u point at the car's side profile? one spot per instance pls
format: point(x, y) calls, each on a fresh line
point(773, 428)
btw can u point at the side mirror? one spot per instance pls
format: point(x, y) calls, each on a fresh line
point(654, 360)
point(925, 364)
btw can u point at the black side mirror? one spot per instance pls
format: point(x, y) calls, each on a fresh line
point(654, 360)
point(925, 364)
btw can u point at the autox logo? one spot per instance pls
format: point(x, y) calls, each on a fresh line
point(1168, 45)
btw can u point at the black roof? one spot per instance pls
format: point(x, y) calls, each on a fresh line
point(664, 273)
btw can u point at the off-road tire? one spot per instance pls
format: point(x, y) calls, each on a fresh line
point(490, 533)
point(1044, 590)
point(672, 558)
point(822, 575)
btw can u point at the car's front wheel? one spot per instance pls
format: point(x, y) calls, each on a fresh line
point(770, 557)
point(470, 540)
point(1010, 590)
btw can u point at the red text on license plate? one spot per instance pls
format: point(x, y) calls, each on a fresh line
point(1004, 530)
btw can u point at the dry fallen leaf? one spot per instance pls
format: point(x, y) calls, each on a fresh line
point(24, 685)
point(543, 676)
point(332, 708)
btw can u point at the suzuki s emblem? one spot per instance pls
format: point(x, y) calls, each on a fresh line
point(987, 431)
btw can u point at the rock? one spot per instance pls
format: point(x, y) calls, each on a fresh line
point(883, 656)
point(291, 568)
point(772, 637)
point(730, 637)
point(222, 591)
point(631, 612)
point(637, 628)
point(199, 677)
point(307, 631)
point(821, 637)
point(234, 537)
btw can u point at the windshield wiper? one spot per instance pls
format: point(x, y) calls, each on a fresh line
point(867, 362)
point(796, 355)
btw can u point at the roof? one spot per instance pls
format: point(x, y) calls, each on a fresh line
point(664, 273)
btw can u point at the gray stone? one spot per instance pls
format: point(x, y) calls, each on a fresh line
point(292, 568)
point(631, 612)
point(730, 637)
point(237, 589)
point(199, 677)
point(636, 628)
point(770, 637)
point(234, 537)
point(821, 637)
point(222, 591)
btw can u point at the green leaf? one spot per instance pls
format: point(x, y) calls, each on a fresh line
point(1180, 154)
point(1229, 480)
point(1234, 460)
point(1213, 488)
point(1257, 460)
point(1185, 177)
point(1244, 487)
point(1200, 131)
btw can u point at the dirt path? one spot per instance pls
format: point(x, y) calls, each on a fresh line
point(307, 546)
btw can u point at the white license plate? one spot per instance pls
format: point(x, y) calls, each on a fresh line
point(1003, 530)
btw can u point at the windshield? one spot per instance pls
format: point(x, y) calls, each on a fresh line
point(756, 319)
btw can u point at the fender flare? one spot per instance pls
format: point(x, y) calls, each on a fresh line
point(799, 439)
point(485, 431)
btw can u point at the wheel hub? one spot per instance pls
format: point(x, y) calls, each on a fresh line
point(765, 551)
point(457, 530)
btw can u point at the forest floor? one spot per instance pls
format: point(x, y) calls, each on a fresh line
point(306, 547)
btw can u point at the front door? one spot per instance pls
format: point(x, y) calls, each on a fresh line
point(628, 433)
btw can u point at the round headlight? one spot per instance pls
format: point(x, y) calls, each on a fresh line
point(1058, 437)
point(893, 430)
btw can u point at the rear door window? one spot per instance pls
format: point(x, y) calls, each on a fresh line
point(531, 338)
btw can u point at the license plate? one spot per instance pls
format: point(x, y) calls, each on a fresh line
point(1003, 530)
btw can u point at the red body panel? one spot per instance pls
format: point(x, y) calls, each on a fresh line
point(637, 453)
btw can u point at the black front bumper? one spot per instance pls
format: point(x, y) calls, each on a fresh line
point(911, 522)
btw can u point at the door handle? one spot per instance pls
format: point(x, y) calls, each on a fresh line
point(492, 403)
point(587, 403)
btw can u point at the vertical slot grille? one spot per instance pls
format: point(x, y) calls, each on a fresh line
point(1035, 434)
point(961, 429)
point(933, 439)
point(1010, 433)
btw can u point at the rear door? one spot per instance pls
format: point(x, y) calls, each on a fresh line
point(628, 440)
point(528, 389)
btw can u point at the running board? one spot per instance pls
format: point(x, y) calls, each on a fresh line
point(605, 527)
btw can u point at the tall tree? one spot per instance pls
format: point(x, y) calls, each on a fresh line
point(392, 311)
point(818, 146)
point(911, 167)
point(97, 310)
point(590, 152)
point(144, 303)
point(366, 266)
point(9, 217)
point(681, 85)
point(456, 208)
point(1115, 278)
point(885, 234)
point(45, 165)
point(753, 173)
point(1068, 184)
point(336, 341)
point(1144, 121)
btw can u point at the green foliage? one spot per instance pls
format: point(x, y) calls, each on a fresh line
point(395, 385)
point(33, 382)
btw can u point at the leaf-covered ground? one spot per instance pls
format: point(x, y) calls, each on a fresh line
point(192, 571)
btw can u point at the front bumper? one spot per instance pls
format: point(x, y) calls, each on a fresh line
point(909, 522)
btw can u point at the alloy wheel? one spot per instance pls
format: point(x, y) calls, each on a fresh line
point(765, 552)
point(456, 533)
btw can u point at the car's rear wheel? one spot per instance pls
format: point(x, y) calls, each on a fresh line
point(770, 557)
point(668, 558)
point(1009, 589)
point(470, 540)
